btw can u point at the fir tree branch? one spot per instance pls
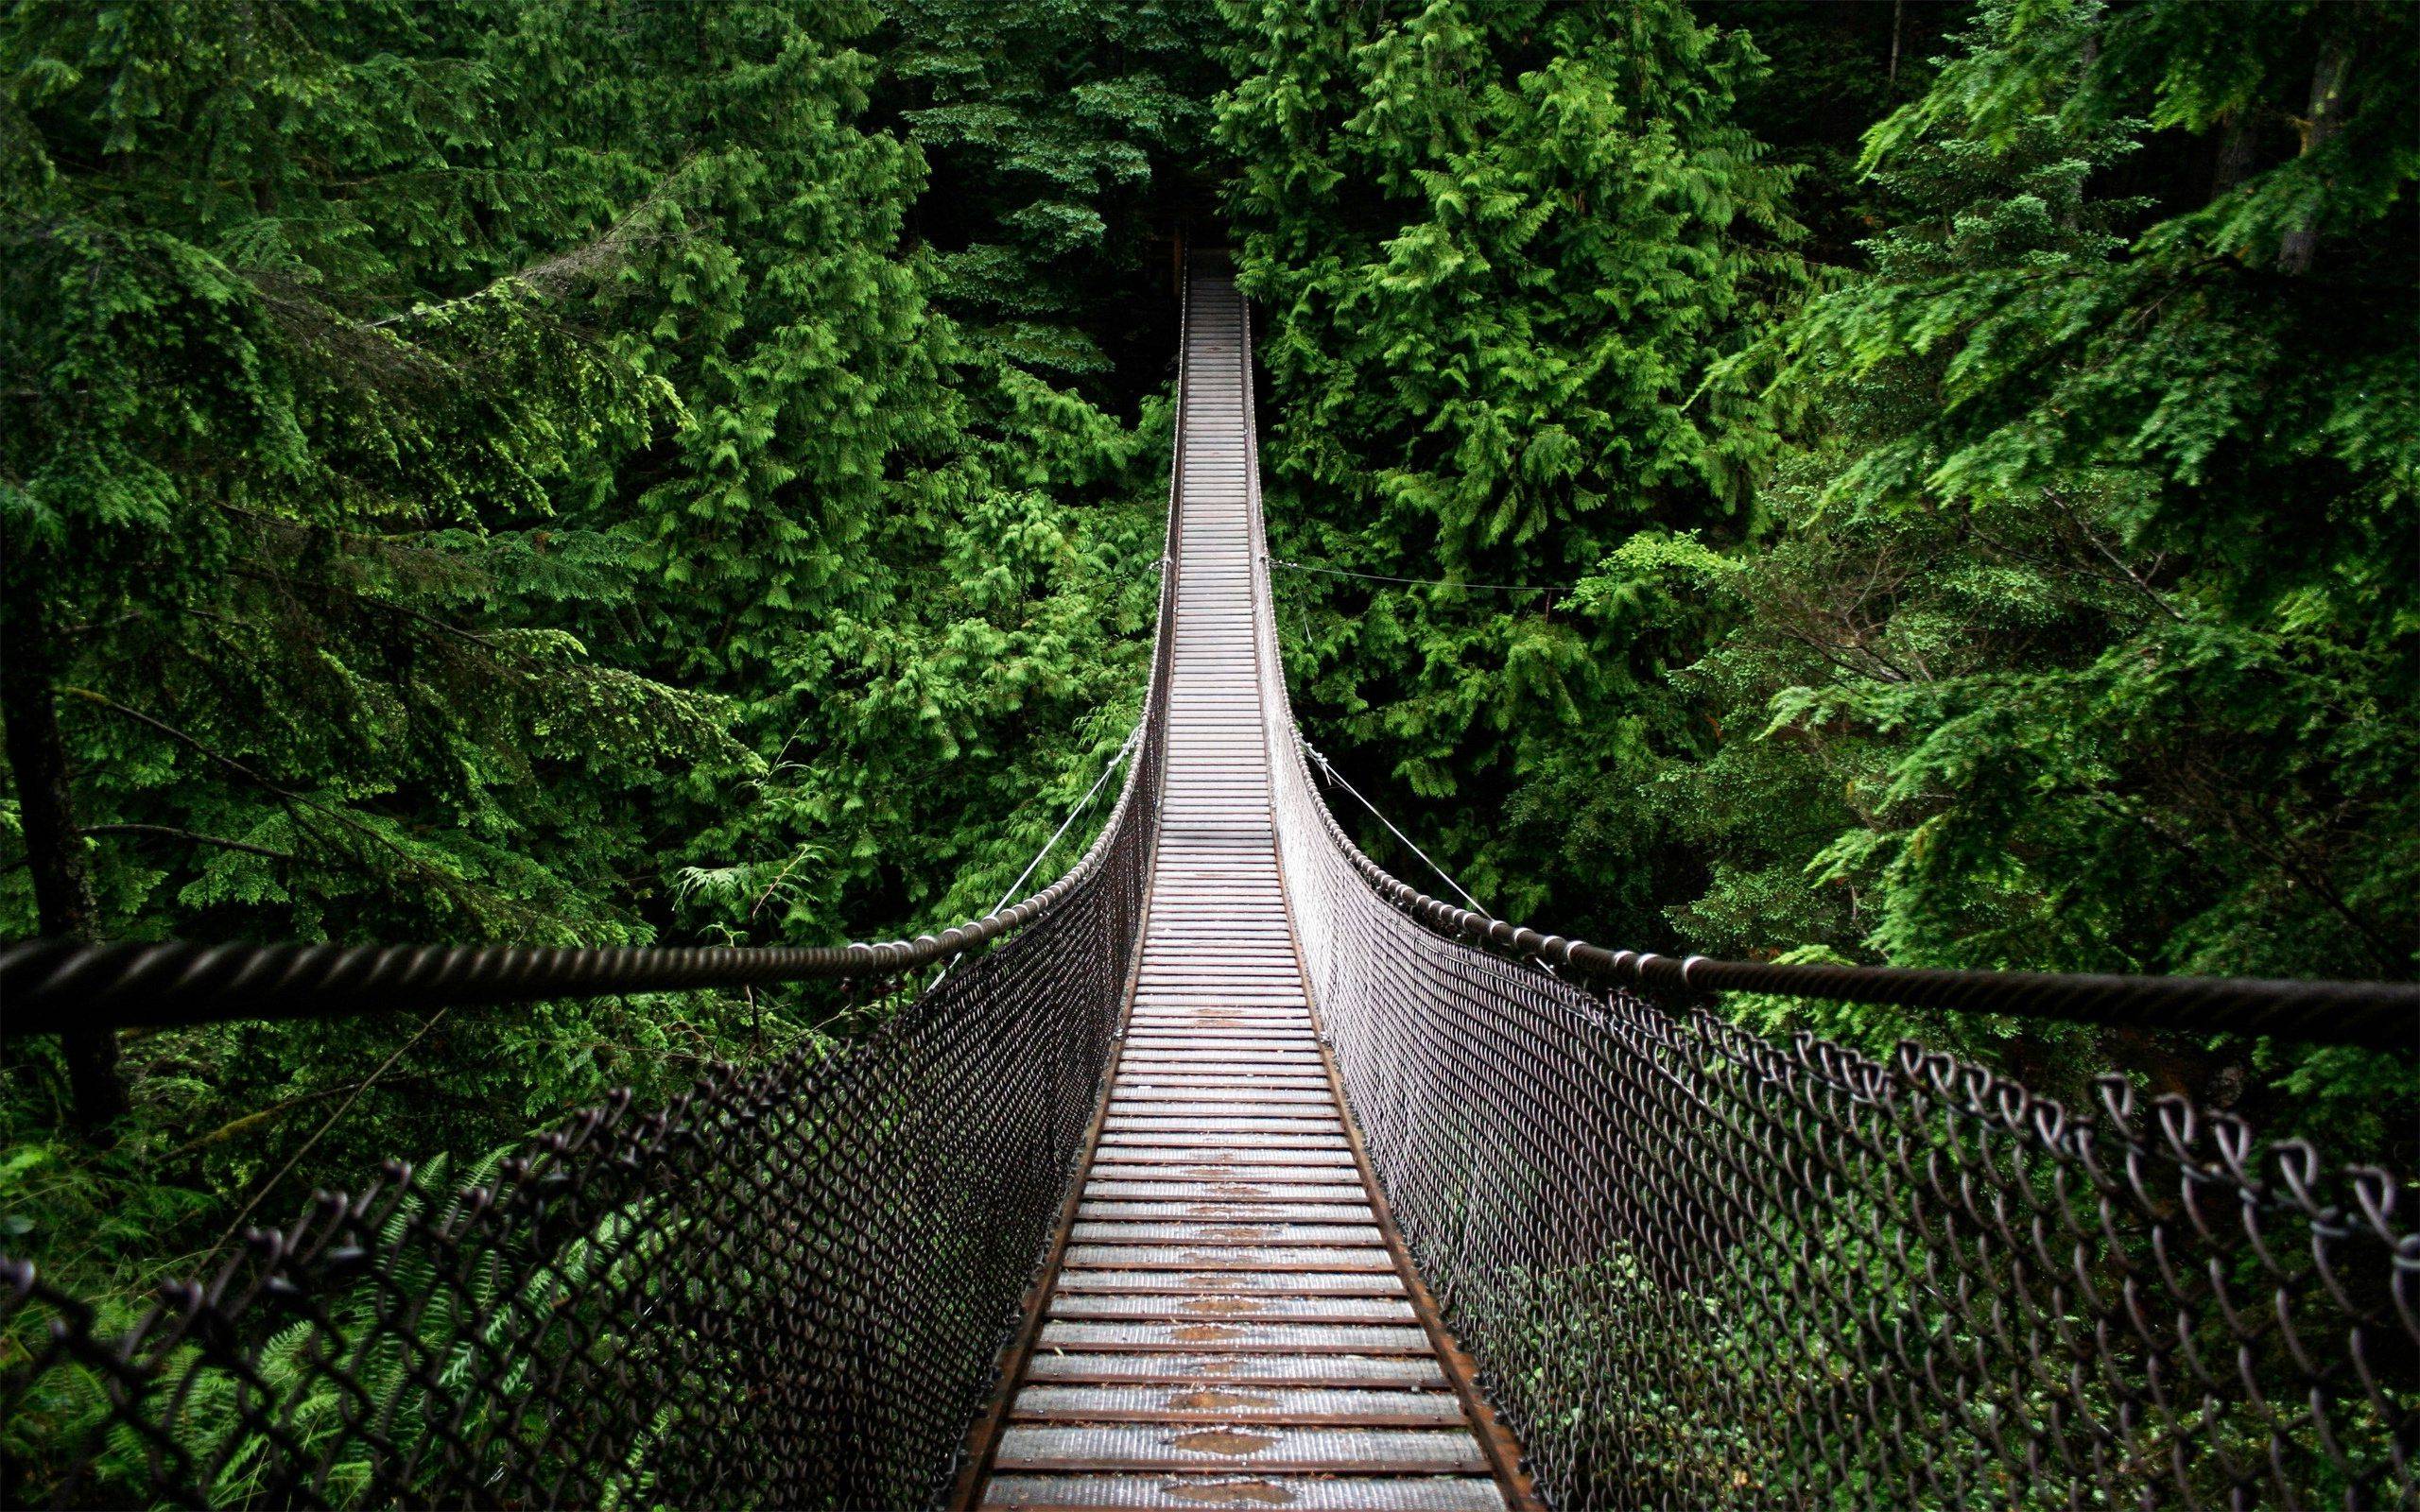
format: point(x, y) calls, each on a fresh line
point(173, 832)
point(285, 796)
point(550, 275)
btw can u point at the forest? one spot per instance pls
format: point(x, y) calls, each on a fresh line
point(1925, 484)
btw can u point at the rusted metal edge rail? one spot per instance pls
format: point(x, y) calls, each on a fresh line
point(982, 1442)
point(1494, 1436)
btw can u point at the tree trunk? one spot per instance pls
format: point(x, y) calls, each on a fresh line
point(54, 852)
point(2233, 163)
point(2295, 254)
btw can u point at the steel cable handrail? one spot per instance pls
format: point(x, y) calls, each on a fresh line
point(51, 985)
point(2376, 1015)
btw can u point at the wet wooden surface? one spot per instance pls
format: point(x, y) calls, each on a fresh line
point(1229, 1325)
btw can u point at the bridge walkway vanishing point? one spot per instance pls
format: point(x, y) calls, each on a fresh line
point(1161, 1188)
point(1230, 1325)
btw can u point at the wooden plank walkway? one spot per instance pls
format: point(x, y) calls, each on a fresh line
point(1230, 1325)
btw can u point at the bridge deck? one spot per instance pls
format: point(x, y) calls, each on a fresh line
point(1229, 1325)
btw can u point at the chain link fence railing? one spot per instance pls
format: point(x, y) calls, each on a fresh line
point(1699, 1269)
point(790, 1288)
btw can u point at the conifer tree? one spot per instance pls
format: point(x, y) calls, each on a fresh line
point(896, 551)
point(2089, 642)
point(1499, 247)
point(297, 385)
point(476, 473)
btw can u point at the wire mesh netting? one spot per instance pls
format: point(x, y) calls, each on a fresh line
point(789, 1288)
point(1698, 1268)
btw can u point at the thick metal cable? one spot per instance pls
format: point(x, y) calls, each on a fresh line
point(2380, 1015)
point(1699, 1269)
point(52, 985)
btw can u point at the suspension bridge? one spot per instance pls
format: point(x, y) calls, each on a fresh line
point(1228, 1170)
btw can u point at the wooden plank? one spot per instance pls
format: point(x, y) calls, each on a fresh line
point(1227, 1298)
point(1255, 1493)
point(1326, 1450)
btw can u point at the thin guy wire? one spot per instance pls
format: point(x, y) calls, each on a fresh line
point(1081, 804)
point(1338, 778)
point(1421, 582)
point(236, 1226)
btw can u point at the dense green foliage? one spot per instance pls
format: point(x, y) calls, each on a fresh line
point(544, 471)
point(1500, 246)
point(2013, 567)
point(2088, 641)
point(1057, 132)
point(489, 472)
